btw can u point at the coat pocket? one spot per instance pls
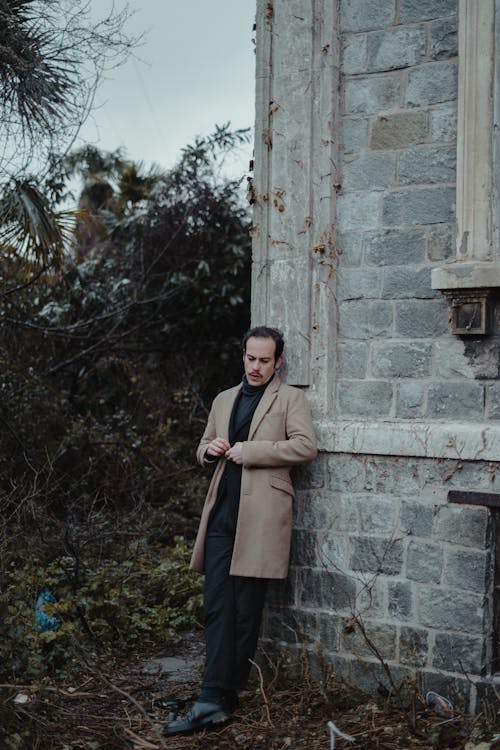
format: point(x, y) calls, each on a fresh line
point(282, 484)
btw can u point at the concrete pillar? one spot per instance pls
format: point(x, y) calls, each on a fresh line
point(478, 203)
point(295, 167)
point(475, 120)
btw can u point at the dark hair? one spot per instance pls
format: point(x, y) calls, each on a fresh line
point(263, 332)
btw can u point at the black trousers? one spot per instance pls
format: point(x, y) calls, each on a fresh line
point(232, 613)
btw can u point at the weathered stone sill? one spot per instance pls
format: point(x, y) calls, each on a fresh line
point(467, 275)
point(461, 440)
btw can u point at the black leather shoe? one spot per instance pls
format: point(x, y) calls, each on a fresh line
point(200, 715)
point(172, 705)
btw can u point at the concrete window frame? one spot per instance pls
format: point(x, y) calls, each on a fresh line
point(476, 265)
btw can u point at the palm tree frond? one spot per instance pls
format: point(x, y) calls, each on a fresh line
point(30, 229)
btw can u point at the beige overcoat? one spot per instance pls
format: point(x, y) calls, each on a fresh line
point(281, 436)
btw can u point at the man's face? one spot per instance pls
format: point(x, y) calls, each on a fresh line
point(258, 360)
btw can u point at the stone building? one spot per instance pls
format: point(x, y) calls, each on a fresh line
point(376, 249)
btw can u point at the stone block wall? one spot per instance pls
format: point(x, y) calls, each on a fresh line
point(395, 213)
point(374, 541)
point(405, 410)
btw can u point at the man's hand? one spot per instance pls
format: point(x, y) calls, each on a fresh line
point(235, 453)
point(217, 447)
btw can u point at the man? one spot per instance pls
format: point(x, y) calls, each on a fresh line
point(255, 433)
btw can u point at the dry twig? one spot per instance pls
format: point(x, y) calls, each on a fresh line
point(262, 691)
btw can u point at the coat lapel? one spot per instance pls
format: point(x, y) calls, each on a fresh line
point(264, 405)
point(227, 407)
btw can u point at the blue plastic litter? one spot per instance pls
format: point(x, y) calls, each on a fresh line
point(439, 704)
point(43, 621)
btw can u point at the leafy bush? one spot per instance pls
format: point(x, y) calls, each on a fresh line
point(106, 373)
point(108, 368)
point(114, 591)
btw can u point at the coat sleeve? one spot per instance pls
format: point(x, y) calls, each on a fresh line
point(207, 438)
point(298, 447)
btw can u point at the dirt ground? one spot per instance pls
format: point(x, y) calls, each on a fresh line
point(115, 712)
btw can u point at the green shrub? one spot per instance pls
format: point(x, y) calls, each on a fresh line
point(107, 369)
point(113, 597)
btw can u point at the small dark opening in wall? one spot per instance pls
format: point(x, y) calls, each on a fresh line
point(495, 660)
point(492, 501)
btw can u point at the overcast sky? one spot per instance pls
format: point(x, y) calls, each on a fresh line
point(195, 69)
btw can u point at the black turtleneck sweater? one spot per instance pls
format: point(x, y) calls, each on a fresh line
point(225, 512)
